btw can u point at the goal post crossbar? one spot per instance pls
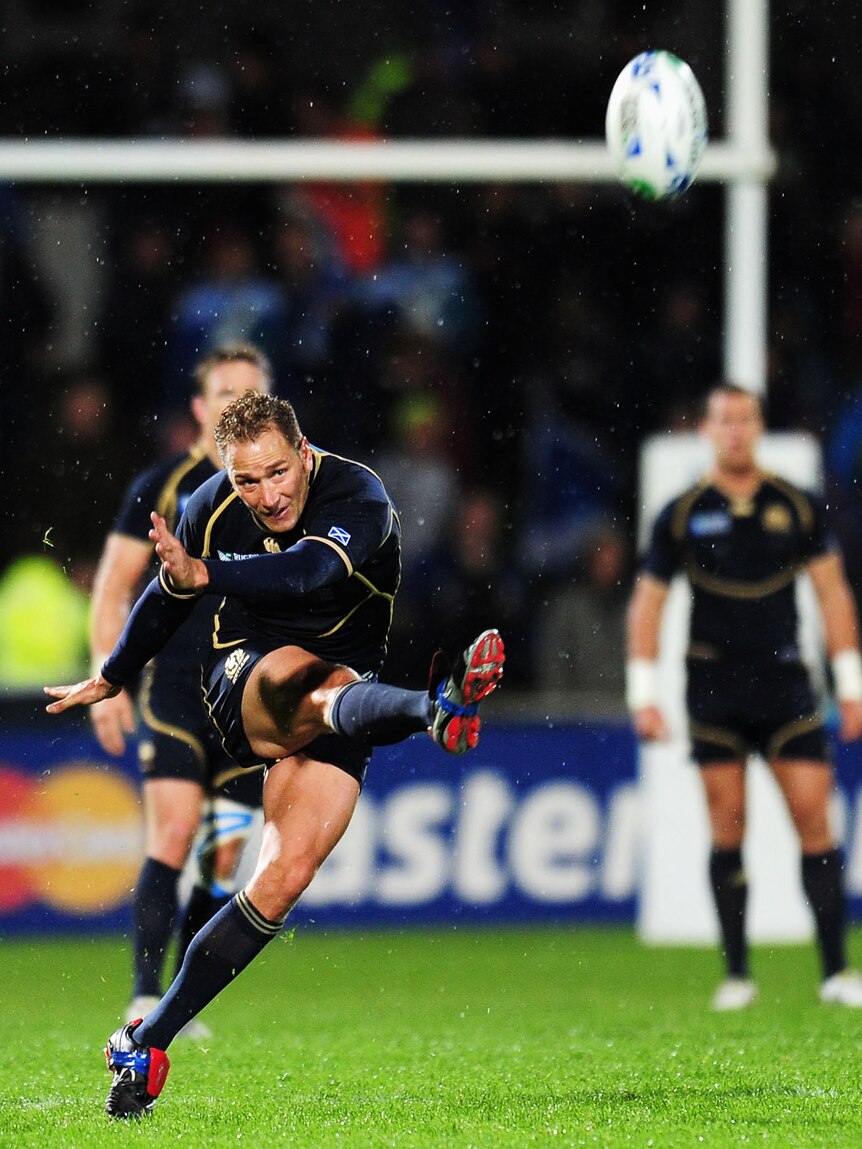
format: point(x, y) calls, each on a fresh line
point(148, 161)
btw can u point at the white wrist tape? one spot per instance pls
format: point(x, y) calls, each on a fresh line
point(641, 683)
point(847, 672)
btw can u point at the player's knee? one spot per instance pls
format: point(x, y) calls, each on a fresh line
point(170, 841)
point(812, 822)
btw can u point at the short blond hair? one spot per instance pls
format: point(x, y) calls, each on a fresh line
point(252, 413)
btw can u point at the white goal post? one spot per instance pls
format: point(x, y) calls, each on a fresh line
point(241, 161)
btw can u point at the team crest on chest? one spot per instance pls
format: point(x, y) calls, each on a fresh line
point(777, 519)
point(742, 507)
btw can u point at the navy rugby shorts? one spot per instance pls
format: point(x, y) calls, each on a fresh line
point(736, 709)
point(177, 740)
point(224, 681)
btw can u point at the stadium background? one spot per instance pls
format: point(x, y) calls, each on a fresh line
point(497, 351)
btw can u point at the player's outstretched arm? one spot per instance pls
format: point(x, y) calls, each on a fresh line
point(85, 693)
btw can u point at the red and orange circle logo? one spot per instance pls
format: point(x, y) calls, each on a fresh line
point(71, 838)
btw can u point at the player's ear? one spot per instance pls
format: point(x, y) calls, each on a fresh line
point(306, 455)
point(199, 409)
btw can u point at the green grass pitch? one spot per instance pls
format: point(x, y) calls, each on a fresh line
point(475, 1039)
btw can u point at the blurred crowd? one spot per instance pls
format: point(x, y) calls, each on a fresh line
point(497, 352)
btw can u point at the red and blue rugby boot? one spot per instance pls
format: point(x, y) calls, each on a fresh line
point(139, 1074)
point(475, 673)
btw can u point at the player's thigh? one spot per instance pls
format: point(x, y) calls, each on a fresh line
point(283, 699)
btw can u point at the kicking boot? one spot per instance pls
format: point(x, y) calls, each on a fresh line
point(474, 675)
point(139, 1074)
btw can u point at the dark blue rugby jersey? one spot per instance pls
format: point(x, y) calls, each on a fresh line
point(167, 488)
point(328, 585)
point(741, 558)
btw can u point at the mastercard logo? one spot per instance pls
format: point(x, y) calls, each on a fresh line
point(71, 838)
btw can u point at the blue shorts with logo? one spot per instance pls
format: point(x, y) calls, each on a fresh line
point(224, 680)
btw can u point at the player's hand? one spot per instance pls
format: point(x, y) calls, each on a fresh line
point(112, 721)
point(650, 724)
point(85, 693)
point(851, 720)
point(185, 572)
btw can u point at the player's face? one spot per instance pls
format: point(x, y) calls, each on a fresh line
point(271, 477)
point(222, 385)
point(734, 424)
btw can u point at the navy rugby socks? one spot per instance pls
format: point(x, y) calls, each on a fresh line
point(823, 882)
point(730, 892)
point(218, 952)
point(154, 911)
point(378, 714)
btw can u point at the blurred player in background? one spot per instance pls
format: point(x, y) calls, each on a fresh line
point(303, 551)
point(187, 775)
point(741, 537)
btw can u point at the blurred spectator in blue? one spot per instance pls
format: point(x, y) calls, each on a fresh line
point(314, 287)
point(572, 472)
point(844, 444)
point(568, 491)
point(426, 283)
point(204, 100)
point(235, 300)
